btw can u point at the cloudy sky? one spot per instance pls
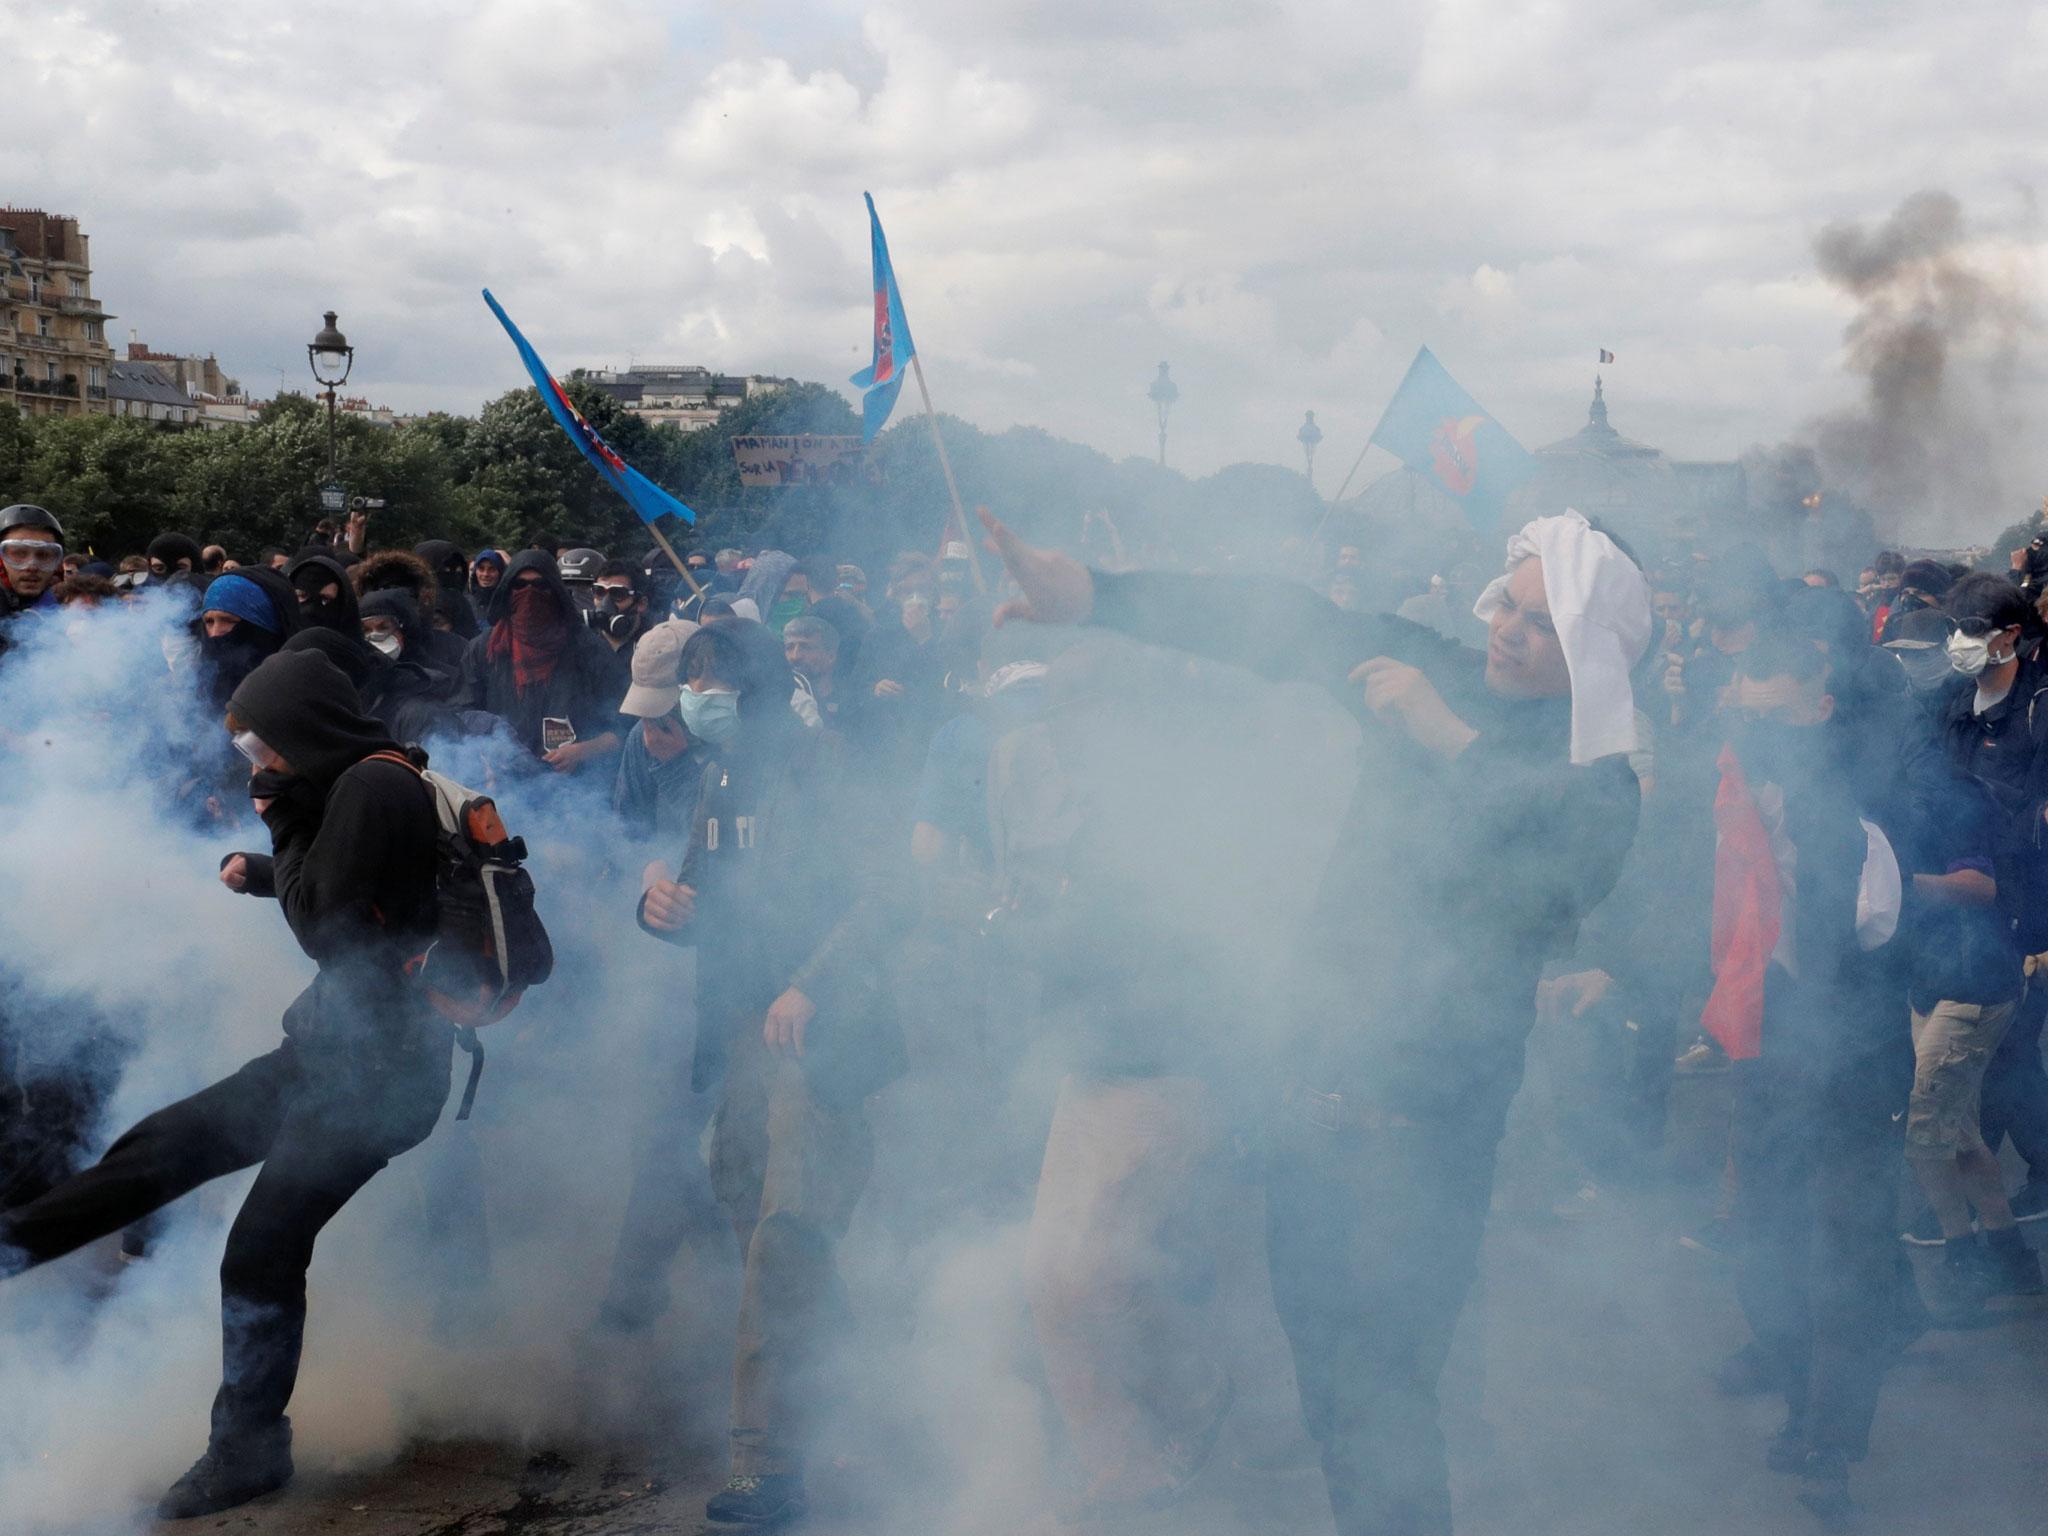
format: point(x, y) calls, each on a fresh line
point(1282, 199)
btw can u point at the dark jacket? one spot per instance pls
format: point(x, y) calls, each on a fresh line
point(352, 859)
point(589, 678)
point(792, 891)
point(402, 696)
point(1451, 882)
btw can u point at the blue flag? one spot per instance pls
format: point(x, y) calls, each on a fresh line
point(645, 497)
point(883, 378)
point(1438, 430)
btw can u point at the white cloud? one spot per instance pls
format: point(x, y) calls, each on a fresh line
point(1284, 199)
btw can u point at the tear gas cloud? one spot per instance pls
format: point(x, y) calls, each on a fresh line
point(454, 1296)
point(1939, 447)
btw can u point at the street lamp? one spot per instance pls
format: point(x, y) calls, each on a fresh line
point(331, 357)
point(1309, 436)
point(1163, 393)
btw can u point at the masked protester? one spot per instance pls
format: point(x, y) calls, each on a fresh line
point(407, 699)
point(436, 648)
point(327, 598)
point(1506, 773)
point(539, 662)
point(787, 904)
point(618, 609)
point(174, 557)
point(450, 568)
point(245, 617)
point(1995, 729)
point(1919, 649)
point(360, 1076)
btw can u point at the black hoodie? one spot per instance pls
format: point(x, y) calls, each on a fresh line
point(451, 569)
point(400, 695)
point(353, 853)
point(589, 678)
point(310, 573)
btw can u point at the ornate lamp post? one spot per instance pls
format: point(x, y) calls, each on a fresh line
point(331, 358)
point(1309, 437)
point(1162, 394)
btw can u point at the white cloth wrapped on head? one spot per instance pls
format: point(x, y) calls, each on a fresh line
point(1600, 607)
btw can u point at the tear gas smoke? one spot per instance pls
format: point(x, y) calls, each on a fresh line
point(1935, 447)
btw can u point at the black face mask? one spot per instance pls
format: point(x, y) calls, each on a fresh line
point(323, 612)
point(224, 660)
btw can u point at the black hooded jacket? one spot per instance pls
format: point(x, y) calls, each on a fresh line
point(395, 570)
point(451, 570)
point(352, 859)
point(589, 678)
point(400, 695)
point(340, 613)
point(1451, 882)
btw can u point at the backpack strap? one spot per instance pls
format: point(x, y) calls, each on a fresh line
point(395, 757)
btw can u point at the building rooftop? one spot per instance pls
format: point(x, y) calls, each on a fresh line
point(144, 382)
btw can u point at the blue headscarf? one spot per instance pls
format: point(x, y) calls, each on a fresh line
point(241, 597)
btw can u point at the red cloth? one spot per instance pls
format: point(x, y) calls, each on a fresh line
point(1877, 620)
point(1747, 916)
point(533, 634)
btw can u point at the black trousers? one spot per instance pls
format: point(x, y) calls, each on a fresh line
point(2016, 1087)
point(322, 1122)
point(1817, 1167)
point(1373, 1238)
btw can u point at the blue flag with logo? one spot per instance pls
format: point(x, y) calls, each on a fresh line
point(883, 378)
point(1439, 431)
point(641, 493)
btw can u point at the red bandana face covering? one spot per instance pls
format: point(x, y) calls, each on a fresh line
point(533, 634)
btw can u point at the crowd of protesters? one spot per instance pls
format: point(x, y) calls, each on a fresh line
point(1714, 817)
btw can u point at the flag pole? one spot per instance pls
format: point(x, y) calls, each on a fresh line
point(669, 549)
point(938, 442)
point(1341, 489)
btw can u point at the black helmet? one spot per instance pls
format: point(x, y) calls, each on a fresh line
point(580, 564)
point(27, 515)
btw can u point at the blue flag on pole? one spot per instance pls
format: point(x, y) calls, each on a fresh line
point(883, 378)
point(644, 496)
point(1439, 431)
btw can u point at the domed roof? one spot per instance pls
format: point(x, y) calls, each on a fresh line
point(1627, 485)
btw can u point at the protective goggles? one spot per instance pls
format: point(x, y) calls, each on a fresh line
point(619, 596)
point(256, 749)
point(31, 554)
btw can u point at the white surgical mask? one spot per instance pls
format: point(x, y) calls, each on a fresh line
point(712, 716)
point(1970, 654)
point(390, 645)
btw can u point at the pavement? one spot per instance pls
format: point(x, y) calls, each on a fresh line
point(1579, 1402)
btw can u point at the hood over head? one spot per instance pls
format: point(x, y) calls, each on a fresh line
point(444, 558)
point(255, 596)
point(173, 547)
point(304, 708)
point(310, 573)
point(396, 603)
point(551, 578)
point(767, 578)
point(358, 660)
point(396, 568)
